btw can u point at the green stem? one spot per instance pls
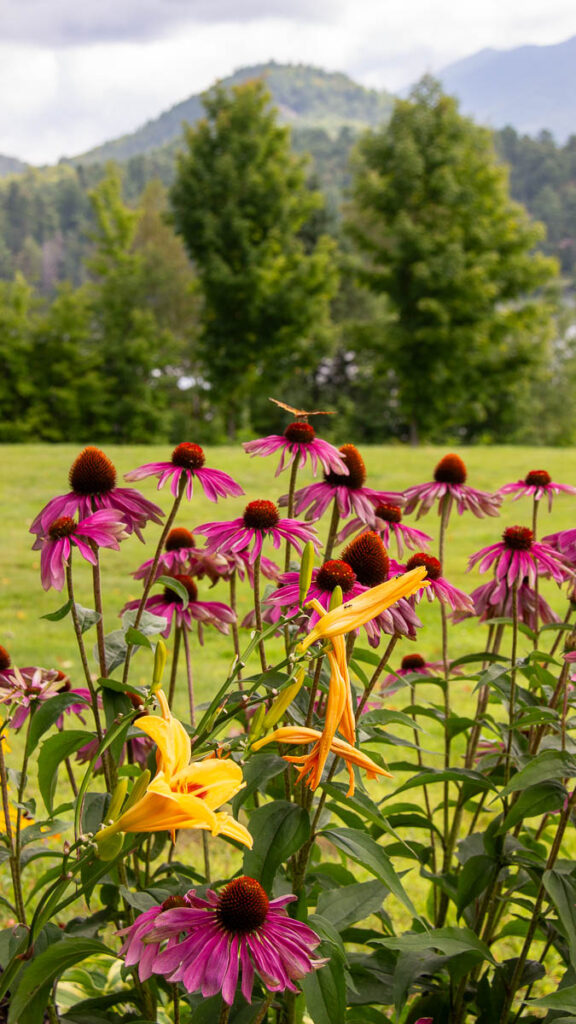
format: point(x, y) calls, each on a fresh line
point(290, 507)
point(235, 632)
point(224, 1013)
point(151, 577)
point(264, 1009)
point(512, 701)
point(176, 1003)
point(535, 506)
point(376, 674)
point(97, 588)
point(174, 668)
point(206, 851)
point(560, 632)
point(189, 675)
point(314, 691)
point(333, 529)
point(258, 611)
point(14, 861)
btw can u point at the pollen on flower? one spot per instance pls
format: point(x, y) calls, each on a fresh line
point(179, 538)
point(335, 573)
point(261, 515)
point(92, 472)
point(300, 432)
point(518, 538)
point(432, 565)
point(242, 905)
point(450, 470)
point(5, 660)
point(62, 527)
point(389, 513)
point(412, 662)
point(356, 469)
point(188, 583)
point(537, 478)
point(368, 558)
point(188, 456)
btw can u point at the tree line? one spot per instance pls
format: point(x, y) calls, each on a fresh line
point(425, 310)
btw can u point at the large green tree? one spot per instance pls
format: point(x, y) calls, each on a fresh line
point(440, 237)
point(241, 203)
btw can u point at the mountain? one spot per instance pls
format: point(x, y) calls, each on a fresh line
point(529, 87)
point(10, 165)
point(306, 97)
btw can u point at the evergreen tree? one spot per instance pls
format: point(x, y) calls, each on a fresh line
point(442, 240)
point(240, 202)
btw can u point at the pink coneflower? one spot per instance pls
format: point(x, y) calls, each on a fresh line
point(299, 438)
point(333, 573)
point(209, 940)
point(181, 555)
point(518, 557)
point(410, 664)
point(439, 586)
point(387, 521)
point(31, 685)
point(537, 484)
point(103, 529)
point(93, 480)
point(188, 461)
point(140, 748)
point(247, 533)
point(450, 480)
point(494, 600)
point(349, 491)
point(169, 605)
point(369, 559)
point(564, 543)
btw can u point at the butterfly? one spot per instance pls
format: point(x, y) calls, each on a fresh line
point(302, 412)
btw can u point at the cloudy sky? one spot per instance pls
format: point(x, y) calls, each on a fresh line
point(74, 73)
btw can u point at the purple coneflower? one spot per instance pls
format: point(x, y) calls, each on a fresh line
point(181, 555)
point(519, 557)
point(450, 480)
point(93, 480)
point(494, 600)
point(247, 533)
point(387, 521)
point(369, 559)
point(537, 484)
point(439, 586)
point(169, 605)
point(333, 573)
point(31, 685)
point(299, 438)
point(140, 748)
point(564, 543)
point(209, 940)
point(410, 664)
point(188, 461)
point(349, 491)
point(103, 529)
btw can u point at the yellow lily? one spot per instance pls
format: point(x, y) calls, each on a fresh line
point(310, 762)
point(366, 606)
point(181, 794)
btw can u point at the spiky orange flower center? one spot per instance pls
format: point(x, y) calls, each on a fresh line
point(300, 432)
point(179, 538)
point(538, 478)
point(62, 527)
point(261, 515)
point(5, 660)
point(92, 472)
point(335, 573)
point(368, 558)
point(187, 582)
point(450, 470)
point(188, 456)
point(412, 662)
point(431, 564)
point(242, 905)
point(518, 538)
point(389, 513)
point(356, 469)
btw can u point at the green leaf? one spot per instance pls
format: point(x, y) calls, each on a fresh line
point(177, 587)
point(136, 638)
point(257, 771)
point(365, 851)
point(28, 1002)
point(120, 687)
point(536, 800)
point(61, 613)
point(351, 903)
point(325, 993)
point(474, 780)
point(450, 941)
point(562, 892)
point(48, 712)
point(562, 999)
point(477, 873)
point(87, 617)
point(53, 751)
point(279, 830)
point(549, 766)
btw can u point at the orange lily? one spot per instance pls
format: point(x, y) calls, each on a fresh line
point(181, 794)
point(310, 763)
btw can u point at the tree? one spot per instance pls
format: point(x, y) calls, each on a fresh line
point(240, 202)
point(441, 239)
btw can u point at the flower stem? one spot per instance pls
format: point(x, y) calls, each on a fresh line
point(97, 587)
point(14, 860)
point(376, 674)
point(258, 610)
point(206, 851)
point(224, 1013)
point(87, 675)
point(314, 691)
point(176, 1003)
point(153, 570)
point(174, 669)
point(512, 699)
point(535, 506)
point(189, 676)
point(264, 1009)
point(290, 508)
point(235, 633)
point(332, 531)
